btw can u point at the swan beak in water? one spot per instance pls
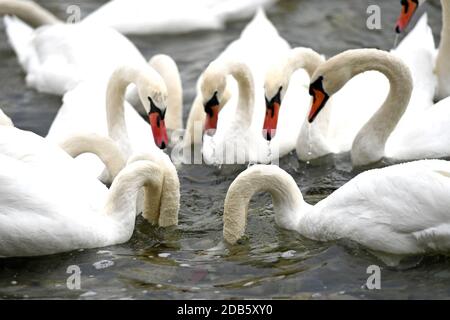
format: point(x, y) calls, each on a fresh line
point(271, 119)
point(320, 99)
point(212, 114)
point(156, 119)
point(409, 7)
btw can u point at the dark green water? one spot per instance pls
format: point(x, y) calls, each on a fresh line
point(191, 261)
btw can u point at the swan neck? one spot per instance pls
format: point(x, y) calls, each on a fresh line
point(115, 104)
point(303, 58)
point(244, 78)
point(103, 147)
point(169, 72)
point(121, 203)
point(162, 204)
point(442, 61)
point(369, 144)
point(445, 33)
point(29, 12)
point(287, 199)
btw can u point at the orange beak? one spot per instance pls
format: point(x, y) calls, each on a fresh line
point(159, 130)
point(320, 99)
point(271, 120)
point(212, 117)
point(409, 7)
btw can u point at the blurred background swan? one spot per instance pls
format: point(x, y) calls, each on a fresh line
point(171, 16)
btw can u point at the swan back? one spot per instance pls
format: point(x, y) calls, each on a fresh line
point(400, 210)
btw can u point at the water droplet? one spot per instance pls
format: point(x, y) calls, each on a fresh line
point(288, 254)
point(106, 252)
point(14, 283)
point(88, 294)
point(164, 255)
point(103, 264)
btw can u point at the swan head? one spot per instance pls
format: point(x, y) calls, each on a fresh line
point(275, 88)
point(409, 7)
point(155, 102)
point(328, 79)
point(213, 88)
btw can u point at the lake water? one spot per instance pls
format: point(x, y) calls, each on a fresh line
point(191, 261)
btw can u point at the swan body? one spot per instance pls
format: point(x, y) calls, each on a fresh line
point(170, 16)
point(397, 211)
point(237, 76)
point(441, 63)
point(331, 132)
point(42, 215)
point(49, 204)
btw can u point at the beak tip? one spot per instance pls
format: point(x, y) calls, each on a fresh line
point(398, 29)
point(163, 145)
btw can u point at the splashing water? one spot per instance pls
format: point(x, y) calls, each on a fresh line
point(308, 162)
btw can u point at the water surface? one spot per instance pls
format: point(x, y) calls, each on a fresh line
point(191, 261)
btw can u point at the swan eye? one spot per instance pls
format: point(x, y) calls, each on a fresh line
point(316, 85)
point(155, 109)
point(213, 102)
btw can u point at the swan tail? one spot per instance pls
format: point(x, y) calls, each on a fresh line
point(28, 11)
point(20, 36)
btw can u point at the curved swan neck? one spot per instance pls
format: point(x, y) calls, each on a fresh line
point(168, 70)
point(161, 206)
point(103, 147)
point(115, 98)
point(303, 58)
point(370, 142)
point(287, 199)
point(28, 11)
point(121, 202)
point(244, 78)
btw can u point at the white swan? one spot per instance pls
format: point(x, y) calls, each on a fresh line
point(234, 141)
point(57, 56)
point(98, 106)
point(170, 16)
point(246, 61)
point(442, 62)
point(397, 211)
point(332, 132)
point(44, 215)
point(423, 136)
point(50, 187)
